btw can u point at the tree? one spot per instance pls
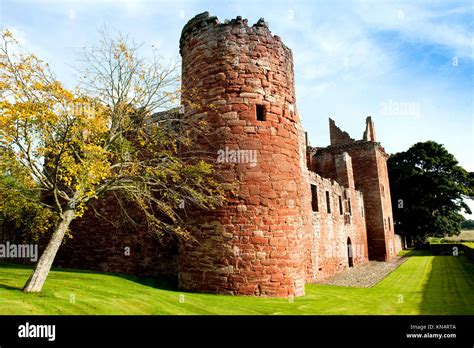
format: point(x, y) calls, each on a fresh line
point(107, 136)
point(22, 214)
point(468, 224)
point(428, 191)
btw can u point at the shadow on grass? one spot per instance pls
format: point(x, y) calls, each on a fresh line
point(448, 286)
point(163, 283)
point(448, 290)
point(8, 287)
point(15, 265)
point(415, 252)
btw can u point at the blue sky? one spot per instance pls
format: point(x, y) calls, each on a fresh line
point(410, 65)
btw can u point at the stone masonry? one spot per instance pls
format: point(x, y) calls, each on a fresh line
point(255, 245)
point(298, 214)
point(370, 177)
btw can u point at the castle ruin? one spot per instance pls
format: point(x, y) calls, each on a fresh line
point(299, 213)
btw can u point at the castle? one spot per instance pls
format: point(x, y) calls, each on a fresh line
point(299, 213)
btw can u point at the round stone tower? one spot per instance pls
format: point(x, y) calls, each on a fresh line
point(241, 77)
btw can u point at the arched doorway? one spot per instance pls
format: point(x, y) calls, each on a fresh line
point(349, 252)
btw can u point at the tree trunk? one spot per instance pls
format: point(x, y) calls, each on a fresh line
point(38, 277)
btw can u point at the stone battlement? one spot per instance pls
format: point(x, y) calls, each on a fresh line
point(204, 22)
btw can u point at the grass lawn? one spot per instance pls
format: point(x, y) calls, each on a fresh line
point(424, 284)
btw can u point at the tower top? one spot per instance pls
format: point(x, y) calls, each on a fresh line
point(204, 21)
point(369, 133)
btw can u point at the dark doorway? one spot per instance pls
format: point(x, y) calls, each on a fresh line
point(349, 252)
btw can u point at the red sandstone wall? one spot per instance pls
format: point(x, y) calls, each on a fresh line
point(325, 165)
point(99, 245)
point(337, 136)
point(306, 210)
point(256, 244)
point(366, 177)
point(370, 174)
point(386, 202)
point(332, 230)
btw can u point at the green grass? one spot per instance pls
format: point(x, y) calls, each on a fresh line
point(424, 284)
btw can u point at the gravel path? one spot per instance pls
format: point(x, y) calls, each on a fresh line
point(364, 276)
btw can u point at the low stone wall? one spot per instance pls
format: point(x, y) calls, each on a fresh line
point(397, 243)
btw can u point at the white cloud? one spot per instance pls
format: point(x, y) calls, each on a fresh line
point(344, 69)
point(421, 22)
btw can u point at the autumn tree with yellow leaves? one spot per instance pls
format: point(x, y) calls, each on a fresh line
point(109, 135)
